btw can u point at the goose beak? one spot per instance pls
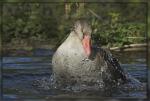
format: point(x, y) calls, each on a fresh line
point(86, 42)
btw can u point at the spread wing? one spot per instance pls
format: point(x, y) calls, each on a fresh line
point(114, 67)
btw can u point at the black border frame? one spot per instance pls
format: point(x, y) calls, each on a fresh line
point(78, 1)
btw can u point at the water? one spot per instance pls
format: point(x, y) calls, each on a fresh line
point(27, 77)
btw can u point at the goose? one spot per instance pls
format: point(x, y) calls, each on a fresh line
point(76, 61)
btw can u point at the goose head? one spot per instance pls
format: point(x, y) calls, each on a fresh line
point(83, 31)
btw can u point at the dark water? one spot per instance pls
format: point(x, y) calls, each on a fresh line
point(27, 77)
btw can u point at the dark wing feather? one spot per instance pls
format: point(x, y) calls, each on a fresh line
point(113, 65)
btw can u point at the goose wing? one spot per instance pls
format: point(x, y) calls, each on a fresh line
point(114, 68)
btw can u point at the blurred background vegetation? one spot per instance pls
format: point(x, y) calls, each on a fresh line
point(35, 24)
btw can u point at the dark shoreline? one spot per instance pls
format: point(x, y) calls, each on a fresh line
point(30, 50)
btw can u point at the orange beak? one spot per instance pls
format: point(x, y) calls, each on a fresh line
point(87, 44)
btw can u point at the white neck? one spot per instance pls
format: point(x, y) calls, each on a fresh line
point(72, 45)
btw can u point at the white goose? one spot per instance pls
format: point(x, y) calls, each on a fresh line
point(72, 64)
